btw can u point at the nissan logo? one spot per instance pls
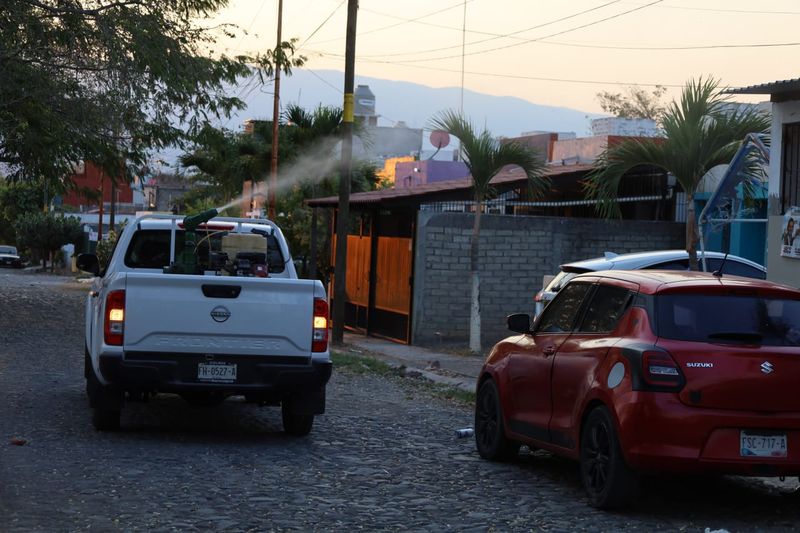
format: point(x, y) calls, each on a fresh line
point(220, 314)
point(767, 368)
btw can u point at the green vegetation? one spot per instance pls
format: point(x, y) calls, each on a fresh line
point(485, 157)
point(700, 132)
point(636, 103)
point(109, 80)
point(45, 233)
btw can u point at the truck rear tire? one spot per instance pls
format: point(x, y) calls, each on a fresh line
point(295, 424)
point(106, 402)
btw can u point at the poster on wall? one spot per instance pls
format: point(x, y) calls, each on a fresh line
point(790, 236)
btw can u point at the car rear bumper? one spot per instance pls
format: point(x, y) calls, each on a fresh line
point(178, 373)
point(659, 433)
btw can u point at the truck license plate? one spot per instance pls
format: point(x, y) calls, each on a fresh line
point(769, 445)
point(216, 372)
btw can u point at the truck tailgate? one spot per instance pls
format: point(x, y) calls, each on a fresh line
point(218, 315)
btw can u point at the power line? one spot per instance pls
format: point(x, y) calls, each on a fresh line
point(538, 39)
point(688, 47)
point(323, 23)
point(517, 76)
point(502, 36)
point(405, 21)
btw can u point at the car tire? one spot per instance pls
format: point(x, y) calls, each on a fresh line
point(608, 480)
point(490, 433)
point(298, 425)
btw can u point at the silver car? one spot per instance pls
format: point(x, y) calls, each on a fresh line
point(661, 260)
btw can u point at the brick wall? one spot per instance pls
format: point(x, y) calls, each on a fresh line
point(515, 253)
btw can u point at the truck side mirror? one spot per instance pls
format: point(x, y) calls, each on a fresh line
point(88, 263)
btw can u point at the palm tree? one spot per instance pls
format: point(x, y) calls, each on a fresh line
point(700, 132)
point(485, 157)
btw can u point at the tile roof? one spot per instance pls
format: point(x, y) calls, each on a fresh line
point(459, 189)
point(775, 87)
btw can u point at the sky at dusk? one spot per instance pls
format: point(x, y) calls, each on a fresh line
point(555, 53)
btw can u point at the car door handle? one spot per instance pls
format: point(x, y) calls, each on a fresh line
point(94, 294)
point(550, 350)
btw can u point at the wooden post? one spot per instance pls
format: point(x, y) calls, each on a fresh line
point(343, 216)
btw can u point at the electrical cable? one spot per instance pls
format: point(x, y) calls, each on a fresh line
point(322, 23)
point(502, 36)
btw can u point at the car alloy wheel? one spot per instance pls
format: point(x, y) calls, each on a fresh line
point(490, 436)
point(608, 480)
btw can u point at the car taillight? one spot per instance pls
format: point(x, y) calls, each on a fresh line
point(114, 327)
point(319, 338)
point(659, 369)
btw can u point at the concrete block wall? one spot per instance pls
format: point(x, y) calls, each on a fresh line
point(515, 253)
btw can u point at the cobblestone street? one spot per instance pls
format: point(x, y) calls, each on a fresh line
point(383, 457)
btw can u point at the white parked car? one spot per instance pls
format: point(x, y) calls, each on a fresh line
point(9, 257)
point(656, 260)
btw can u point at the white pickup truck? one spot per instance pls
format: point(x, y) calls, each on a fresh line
point(205, 307)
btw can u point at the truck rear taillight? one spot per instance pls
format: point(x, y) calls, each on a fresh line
point(319, 338)
point(114, 327)
point(659, 369)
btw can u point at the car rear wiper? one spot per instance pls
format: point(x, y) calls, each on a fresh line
point(743, 336)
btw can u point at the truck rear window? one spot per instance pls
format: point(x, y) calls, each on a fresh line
point(729, 318)
point(150, 249)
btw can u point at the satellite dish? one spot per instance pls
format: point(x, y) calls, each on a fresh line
point(440, 139)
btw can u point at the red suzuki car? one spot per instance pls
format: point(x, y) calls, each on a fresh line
point(647, 371)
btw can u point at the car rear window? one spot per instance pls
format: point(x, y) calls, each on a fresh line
point(8, 250)
point(729, 318)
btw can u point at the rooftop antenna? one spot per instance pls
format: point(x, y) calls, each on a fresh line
point(718, 272)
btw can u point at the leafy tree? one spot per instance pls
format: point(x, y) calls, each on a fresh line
point(106, 80)
point(46, 233)
point(485, 157)
point(636, 103)
point(16, 199)
point(700, 132)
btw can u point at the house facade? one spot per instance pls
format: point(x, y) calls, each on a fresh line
point(783, 205)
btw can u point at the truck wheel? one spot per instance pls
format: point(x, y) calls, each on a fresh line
point(106, 402)
point(293, 423)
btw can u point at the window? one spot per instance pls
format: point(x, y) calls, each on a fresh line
point(790, 166)
point(735, 268)
point(678, 264)
point(607, 306)
point(150, 249)
point(559, 316)
point(729, 318)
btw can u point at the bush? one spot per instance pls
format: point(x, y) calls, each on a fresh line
point(45, 233)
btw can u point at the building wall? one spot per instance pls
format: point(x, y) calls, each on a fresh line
point(88, 177)
point(515, 254)
point(412, 173)
point(780, 269)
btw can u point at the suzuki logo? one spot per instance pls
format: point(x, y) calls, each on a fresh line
point(220, 314)
point(767, 368)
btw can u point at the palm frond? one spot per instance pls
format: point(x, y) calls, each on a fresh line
point(603, 183)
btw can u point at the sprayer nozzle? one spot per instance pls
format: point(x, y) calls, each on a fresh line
point(190, 223)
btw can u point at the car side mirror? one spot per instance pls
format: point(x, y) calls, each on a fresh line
point(88, 263)
point(519, 323)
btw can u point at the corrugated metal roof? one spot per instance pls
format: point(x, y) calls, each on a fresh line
point(453, 189)
point(775, 87)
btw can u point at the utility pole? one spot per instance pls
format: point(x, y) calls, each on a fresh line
point(343, 217)
point(276, 100)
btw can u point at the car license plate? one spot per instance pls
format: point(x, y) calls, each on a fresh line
point(216, 372)
point(767, 445)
